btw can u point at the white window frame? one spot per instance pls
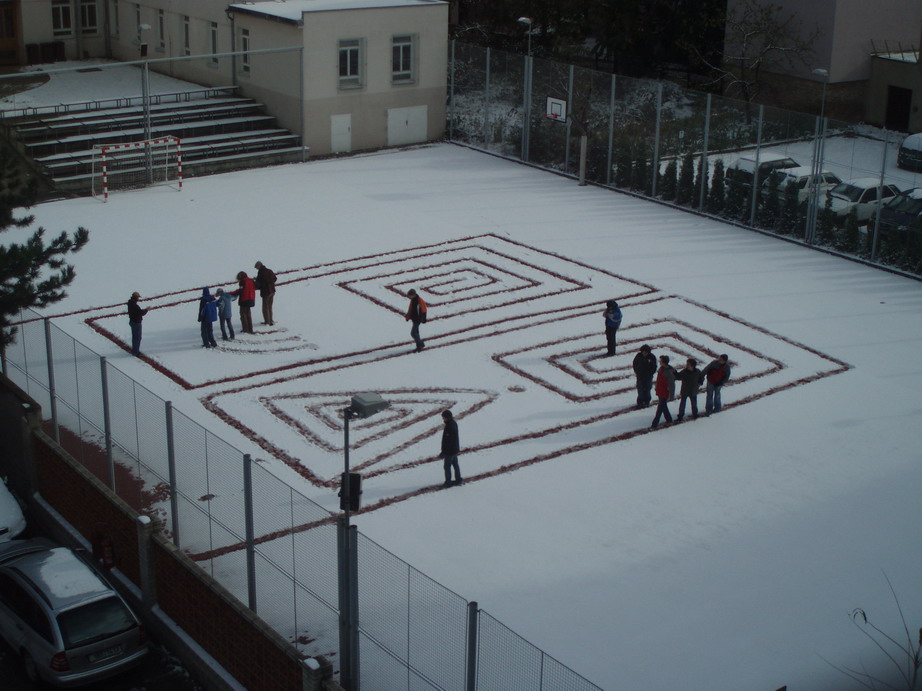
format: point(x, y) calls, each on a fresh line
point(62, 18)
point(213, 43)
point(403, 58)
point(161, 31)
point(89, 17)
point(245, 50)
point(351, 72)
point(186, 35)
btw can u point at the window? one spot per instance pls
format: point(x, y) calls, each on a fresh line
point(161, 31)
point(186, 45)
point(213, 42)
point(61, 19)
point(113, 27)
point(350, 63)
point(245, 48)
point(402, 58)
point(89, 18)
point(137, 22)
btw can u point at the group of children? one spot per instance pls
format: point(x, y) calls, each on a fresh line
point(714, 376)
point(212, 308)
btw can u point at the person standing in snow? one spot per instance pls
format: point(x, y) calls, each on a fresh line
point(690, 377)
point(665, 390)
point(716, 375)
point(644, 370)
point(265, 284)
point(207, 316)
point(416, 313)
point(246, 295)
point(225, 315)
point(135, 317)
point(612, 316)
point(451, 446)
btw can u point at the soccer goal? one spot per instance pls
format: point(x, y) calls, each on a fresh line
point(130, 165)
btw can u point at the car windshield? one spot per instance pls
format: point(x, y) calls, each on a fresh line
point(906, 204)
point(845, 191)
point(94, 622)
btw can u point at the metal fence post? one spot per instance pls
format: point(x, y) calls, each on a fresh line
point(526, 107)
point(107, 421)
point(566, 148)
point(611, 130)
point(451, 92)
point(470, 683)
point(659, 118)
point(486, 105)
point(703, 182)
point(51, 392)
point(880, 183)
point(250, 538)
point(353, 544)
point(171, 465)
point(755, 173)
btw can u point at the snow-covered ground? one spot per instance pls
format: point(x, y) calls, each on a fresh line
point(725, 553)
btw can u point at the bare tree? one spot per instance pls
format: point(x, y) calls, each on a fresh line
point(759, 38)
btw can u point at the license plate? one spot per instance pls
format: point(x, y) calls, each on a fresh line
point(105, 654)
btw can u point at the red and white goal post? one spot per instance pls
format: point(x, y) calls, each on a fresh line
point(130, 165)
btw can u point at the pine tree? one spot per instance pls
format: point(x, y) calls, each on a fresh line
point(643, 182)
point(716, 198)
point(624, 166)
point(702, 177)
point(791, 212)
point(33, 273)
point(852, 243)
point(685, 191)
point(770, 208)
point(667, 184)
point(826, 224)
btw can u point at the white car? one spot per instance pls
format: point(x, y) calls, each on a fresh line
point(12, 522)
point(800, 177)
point(859, 194)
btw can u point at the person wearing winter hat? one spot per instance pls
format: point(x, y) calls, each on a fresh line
point(644, 369)
point(207, 316)
point(612, 316)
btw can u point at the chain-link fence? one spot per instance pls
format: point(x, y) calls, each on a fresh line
point(268, 544)
point(766, 168)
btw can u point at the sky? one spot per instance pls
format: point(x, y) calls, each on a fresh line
point(722, 553)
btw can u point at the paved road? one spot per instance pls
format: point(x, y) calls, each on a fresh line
point(161, 672)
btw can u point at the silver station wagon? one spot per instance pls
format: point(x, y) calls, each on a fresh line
point(60, 615)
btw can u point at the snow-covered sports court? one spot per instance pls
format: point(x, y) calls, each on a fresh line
point(724, 553)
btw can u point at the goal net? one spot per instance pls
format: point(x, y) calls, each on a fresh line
point(130, 165)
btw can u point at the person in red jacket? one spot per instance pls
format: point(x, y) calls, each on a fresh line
point(416, 313)
point(665, 389)
point(246, 295)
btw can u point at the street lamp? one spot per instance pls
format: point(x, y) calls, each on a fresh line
point(527, 22)
point(819, 149)
point(362, 405)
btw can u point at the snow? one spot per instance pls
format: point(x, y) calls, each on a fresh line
point(724, 553)
point(66, 576)
point(292, 10)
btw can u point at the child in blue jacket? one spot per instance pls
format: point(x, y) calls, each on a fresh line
point(225, 313)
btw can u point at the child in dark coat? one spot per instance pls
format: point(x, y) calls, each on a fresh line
point(207, 316)
point(690, 377)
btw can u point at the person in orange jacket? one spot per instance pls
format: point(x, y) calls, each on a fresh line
point(416, 313)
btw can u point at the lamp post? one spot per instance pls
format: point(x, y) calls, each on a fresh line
point(819, 147)
point(363, 405)
point(527, 22)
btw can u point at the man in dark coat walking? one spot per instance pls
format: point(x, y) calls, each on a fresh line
point(135, 316)
point(450, 448)
point(416, 313)
point(690, 377)
point(644, 369)
point(265, 284)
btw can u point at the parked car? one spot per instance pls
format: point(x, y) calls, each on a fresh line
point(902, 210)
point(800, 177)
point(743, 168)
point(61, 616)
point(859, 194)
point(910, 153)
point(12, 522)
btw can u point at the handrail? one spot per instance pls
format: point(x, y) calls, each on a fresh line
point(123, 102)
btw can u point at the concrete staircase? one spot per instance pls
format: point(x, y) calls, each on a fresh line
point(219, 131)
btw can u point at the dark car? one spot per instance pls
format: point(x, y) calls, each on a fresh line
point(910, 153)
point(743, 169)
point(903, 210)
point(61, 616)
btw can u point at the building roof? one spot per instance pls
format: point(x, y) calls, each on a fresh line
point(292, 10)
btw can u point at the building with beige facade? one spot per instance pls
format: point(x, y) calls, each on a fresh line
point(345, 74)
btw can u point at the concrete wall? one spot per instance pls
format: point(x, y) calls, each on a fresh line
point(886, 73)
